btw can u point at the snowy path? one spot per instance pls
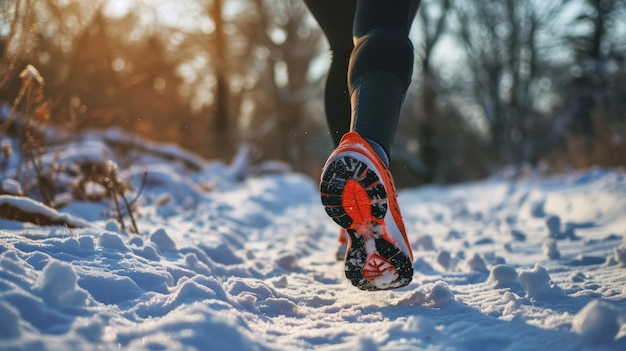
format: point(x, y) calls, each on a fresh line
point(252, 267)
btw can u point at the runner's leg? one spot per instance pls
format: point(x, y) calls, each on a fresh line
point(336, 18)
point(381, 67)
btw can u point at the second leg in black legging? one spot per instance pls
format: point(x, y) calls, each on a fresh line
point(336, 18)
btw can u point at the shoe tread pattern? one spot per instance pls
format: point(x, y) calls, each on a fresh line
point(334, 180)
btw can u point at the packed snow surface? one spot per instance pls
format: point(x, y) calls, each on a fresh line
point(222, 263)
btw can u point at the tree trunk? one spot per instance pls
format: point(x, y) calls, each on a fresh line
point(222, 139)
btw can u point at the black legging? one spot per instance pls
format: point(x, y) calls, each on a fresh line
point(369, 75)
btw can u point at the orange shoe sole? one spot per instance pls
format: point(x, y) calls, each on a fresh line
point(355, 198)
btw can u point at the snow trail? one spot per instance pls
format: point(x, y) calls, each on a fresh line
point(222, 264)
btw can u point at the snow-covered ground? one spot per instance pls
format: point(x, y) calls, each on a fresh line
point(223, 264)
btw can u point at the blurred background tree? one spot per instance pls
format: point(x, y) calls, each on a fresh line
point(497, 83)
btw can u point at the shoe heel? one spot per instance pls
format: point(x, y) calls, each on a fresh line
point(355, 198)
point(333, 184)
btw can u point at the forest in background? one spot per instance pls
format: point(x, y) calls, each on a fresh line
point(497, 84)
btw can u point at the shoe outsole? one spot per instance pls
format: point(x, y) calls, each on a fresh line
point(339, 172)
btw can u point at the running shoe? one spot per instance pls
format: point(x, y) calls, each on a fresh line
point(358, 193)
point(342, 246)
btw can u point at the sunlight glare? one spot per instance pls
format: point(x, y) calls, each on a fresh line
point(186, 16)
point(117, 8)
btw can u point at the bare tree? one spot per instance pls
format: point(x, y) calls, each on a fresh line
point(594, 50)
point(16, 46)
point(432, 28)
point(594, 88)
point(501, 44)
point(221, 128)
point(436, 141)
point(276, 47)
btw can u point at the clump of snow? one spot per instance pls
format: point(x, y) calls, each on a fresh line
point(577, 277)
point(281, 282)
point(11, 187)
point(287, 261)
point(620, 255)
point(503, 276)
point(538, 284)
point(162, 241)
point(440, 295)
point(551, 250)
point(512, 303)
point(437, 295)
point(279, 306)
point(444, 258)
point(476, 264)
point(112, 241)
point(57, 286)
point(599, 322)
point(413, 298)
point(424, 243)
point(28, 208)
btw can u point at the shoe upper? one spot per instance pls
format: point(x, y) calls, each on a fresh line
point(353, 142)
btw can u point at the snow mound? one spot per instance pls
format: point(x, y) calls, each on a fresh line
point(538, 284)
point(28, 210)
point(10, 321)
point(599, 322)
point(57, 286)
point(503, 276)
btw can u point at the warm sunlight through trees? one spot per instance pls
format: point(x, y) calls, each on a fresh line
point(496, 84)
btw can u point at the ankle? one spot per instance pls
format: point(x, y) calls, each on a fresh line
point(380, 151)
